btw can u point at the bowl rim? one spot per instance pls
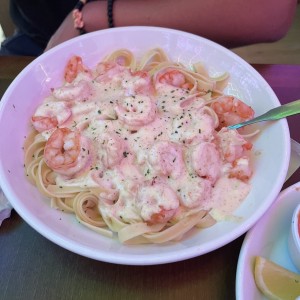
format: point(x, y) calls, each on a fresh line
point(147, 259)
point(294, 227)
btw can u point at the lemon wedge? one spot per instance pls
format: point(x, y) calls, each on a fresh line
point(274, 281)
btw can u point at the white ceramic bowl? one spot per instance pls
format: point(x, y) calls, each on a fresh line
point(294, 237)
point(271, 159)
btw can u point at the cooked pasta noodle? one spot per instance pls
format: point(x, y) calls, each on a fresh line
point(139, 149)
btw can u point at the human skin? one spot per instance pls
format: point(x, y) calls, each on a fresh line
point(229, 23)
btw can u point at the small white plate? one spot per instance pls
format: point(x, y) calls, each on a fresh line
point(268, 238)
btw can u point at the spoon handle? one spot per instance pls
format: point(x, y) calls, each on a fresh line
point(276, 113)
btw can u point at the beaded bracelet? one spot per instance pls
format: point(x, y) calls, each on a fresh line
point(77, 16)
point(110, 4)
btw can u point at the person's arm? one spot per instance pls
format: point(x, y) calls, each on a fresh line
point(230, 23)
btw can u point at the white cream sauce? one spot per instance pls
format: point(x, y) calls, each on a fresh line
point(126, 163)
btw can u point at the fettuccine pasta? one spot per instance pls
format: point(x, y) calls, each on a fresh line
point(139, 149)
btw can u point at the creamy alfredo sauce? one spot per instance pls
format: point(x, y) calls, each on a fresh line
point(151, 147)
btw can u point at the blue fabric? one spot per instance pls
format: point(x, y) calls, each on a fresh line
point(20, 44)
point(37, 21)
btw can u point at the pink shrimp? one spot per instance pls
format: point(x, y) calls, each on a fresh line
point(67, 152)
point(167, 159)
point(105, 71)
point(235, 150)
point(112, 149)
point(136, 111)
point(232, 145)
point(73, 68)
point(241, 169)
point(206, 161)
point(142, 83)
point(42, 123)
point(109, 191)
point(77, 91)
point(50, 115)
point(157, 203)
point(231, 110)
point(105, 67)
point(174, 78)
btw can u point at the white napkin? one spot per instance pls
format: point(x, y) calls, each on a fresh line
point(295, 158)
point(5, 206)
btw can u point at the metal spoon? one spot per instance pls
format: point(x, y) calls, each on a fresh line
point(276, 113)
